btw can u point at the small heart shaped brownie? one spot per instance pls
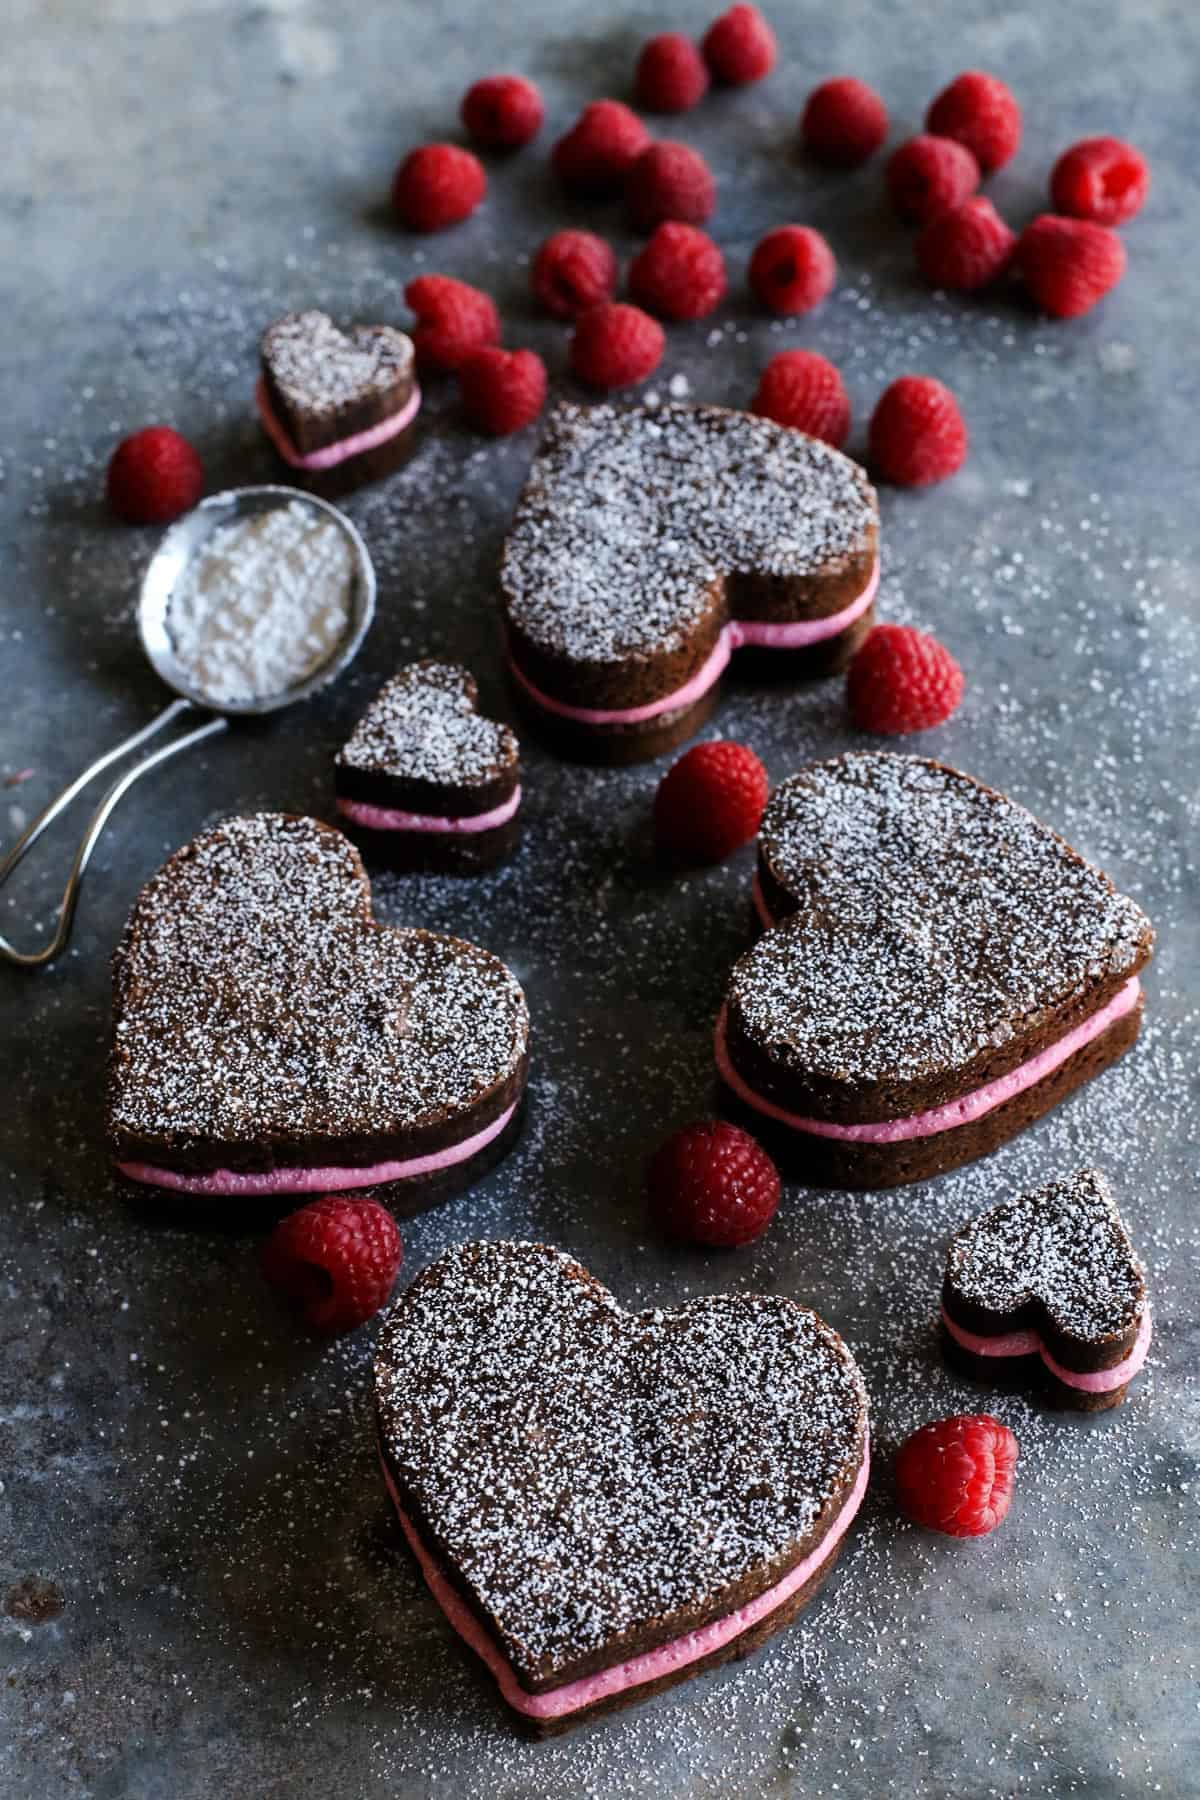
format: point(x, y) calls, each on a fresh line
point(605, 1503)
point(338, 405)
point(939, 969)
point(425, 780)
point(648, 544)
point(1053, 1276)
point(270, 1039)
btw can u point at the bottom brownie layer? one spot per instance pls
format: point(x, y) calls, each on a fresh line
point(356, 471)
point(435, 852)
point(616, 745)
point(1011, 1373)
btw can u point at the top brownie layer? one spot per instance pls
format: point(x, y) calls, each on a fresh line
point(423, 746)
point(326, 384)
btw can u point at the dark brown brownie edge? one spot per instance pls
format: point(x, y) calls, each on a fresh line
point(1010, 1373)
point(439, 799)
point(356, 471)
point(436, 852)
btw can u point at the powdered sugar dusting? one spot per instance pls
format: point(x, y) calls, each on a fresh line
point(424, 725)
point(318, 369)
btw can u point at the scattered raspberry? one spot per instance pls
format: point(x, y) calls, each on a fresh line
point(844, 122)
point(337, 1258)
point(739, 47)
point(454, 319)
point(902, 680)
point(930, 175)
point(1069, 264)
point(800, 389)
point(709, 802)
point(671, 76)
point(572, 271)
point(792, 269)
point(713, 1184)
point(616, 345)
point(966, 248)
point(1101, 179)
point(917, 433)
point(502, 112)
point(980, 112)
point(669, 181)
point(956, 1475)
point(502, 390)
point(680, 274)
point(594, 157)
point(437, 185)
point(153, 476)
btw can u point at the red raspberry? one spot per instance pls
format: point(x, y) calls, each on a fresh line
point(713, 1184)
point(437, 185)
point(980, 112)
point(709, 802)
point(917, 434)
point(337, 1258)
point(153, 476)
point(680, 274)
point(844, 122)
point(616, 345)
point(502, 112)
point(792, 269)
point(594, 157)
point(902, 680)
point(671, 76)
point(502, 390)
point(966, 248)
point(572, 271)
point(739, 47)
point(669, 181)
point(1069, 264)
point(454, 319)
point(956, 1475)
point(928, 175)
point(800, 389)
point(1101, 179)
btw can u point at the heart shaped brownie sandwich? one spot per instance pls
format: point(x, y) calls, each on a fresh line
point(648, 545)
point(1048, 1286)
point(271, 1040)
point(337, 405)
point(939, 969)
point(606, 1503)
point(425, 781)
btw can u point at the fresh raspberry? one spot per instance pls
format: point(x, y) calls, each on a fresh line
point(956, 1475)
point(616, 345)
point(572, 271)
point(1069, 264)
point(669, 181)
point(800, 389)
point(336, 1258)
point(980, 112)
point(502, 112)
point(680, 274)
point(739, 47)
point(1101, 179)
point(437, 185)
point(671, 76)
point(930, 175)
point(792, 269)
point(966, 248)
point(844, 122)
point(713, 1184)
point(917, 434)
point(454, 319)
point(594, 157)
point(902, 680)
point(502, 390)
point(709, 802)
point(153, 476)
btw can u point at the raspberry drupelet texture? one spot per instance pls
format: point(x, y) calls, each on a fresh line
point(572, 271)
point(616, 345)
point(1102, 179)
point(594, 157)
point(669, 181)
point(791, 270)
point(709, 802)
point(502, 112)
point(843, 123)
point(671, 75)
point(966, 248)
point(711, 1183)
point(956, 1475)
point(902, 680)
point(437, 185)
point(680, 274)
point(153, 476)
point(336, 1259)
point(1068, 264)
point(453, 320)
point(502, 390)
point(917, 434)
point(739, 47)
point(981, 112)
point(803, 390)
point(929, 175)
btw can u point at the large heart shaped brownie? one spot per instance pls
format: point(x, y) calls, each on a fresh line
point(335, 403)
point(606, 1502)
point(271, 1039)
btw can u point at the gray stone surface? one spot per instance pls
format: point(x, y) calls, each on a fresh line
point(232, 1612)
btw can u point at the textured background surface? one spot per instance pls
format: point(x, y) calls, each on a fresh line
point(232, 1612)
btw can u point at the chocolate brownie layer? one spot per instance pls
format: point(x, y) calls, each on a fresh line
point(617, 745)
point(326, 385)
point(422, 746)
point(1027, 1373)
point(356, 471)
point(436, 852)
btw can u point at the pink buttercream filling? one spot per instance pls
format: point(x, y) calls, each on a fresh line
point(639, 1669)
point(792, 636)
point(954, 1112)
point(333, 454)
point(1028, 1343)
point(228, 1182)
point(388, 818)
